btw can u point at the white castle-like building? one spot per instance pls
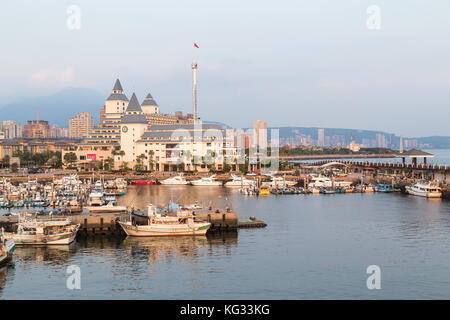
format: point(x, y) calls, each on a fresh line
point(134, 134)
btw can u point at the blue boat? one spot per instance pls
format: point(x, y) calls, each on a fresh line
point(385, 188)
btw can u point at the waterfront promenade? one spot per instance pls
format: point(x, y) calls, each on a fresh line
point(386, 165)
point(338, 156)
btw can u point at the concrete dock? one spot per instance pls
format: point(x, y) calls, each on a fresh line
point(106, 223)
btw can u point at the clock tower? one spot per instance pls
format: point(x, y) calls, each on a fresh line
point(132, 127)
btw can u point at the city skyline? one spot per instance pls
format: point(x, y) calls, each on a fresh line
point(282, 62)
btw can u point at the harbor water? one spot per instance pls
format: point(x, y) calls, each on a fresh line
point(314, 247)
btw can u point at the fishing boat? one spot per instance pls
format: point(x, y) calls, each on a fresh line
point(43, 231)
point(319, 182)
point(207, 181)
point(177, 180)
point(423, 189)
point(238, 182)
point(110, 207)
point(7, 248)
point(281, 182)
point(183, 224)
point(327, 190)
point(343, 184)
point(143, 182)
point(264, 191)
point(96, 198)
point(384, 188)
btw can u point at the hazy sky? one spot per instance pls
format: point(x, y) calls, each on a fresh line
point(298, 63)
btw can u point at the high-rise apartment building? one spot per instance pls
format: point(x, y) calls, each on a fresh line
point(81, 125)
point(260, 134)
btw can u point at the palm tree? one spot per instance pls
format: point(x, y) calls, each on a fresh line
point(124, 167)
point(151, 161)
point(109, 163)
point(139, 160)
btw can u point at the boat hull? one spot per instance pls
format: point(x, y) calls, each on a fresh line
point(209, 184)
point(7, 252)
point(143, 182)
point(424, 194)
point(164, 230)
point(57, 239)
point(106, 209)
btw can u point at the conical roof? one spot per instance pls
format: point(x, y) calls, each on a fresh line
point(130, 116)
point(117, 96)
point(149, 101)
point(117, 85)
point(133, 105)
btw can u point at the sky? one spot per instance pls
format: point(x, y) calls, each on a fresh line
point(289, 63)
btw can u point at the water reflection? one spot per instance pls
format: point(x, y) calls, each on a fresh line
point(159, 249)
point(6, 274)
point(51, 255)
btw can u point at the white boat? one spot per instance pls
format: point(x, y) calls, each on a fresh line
point(177, 180)
point(96, 198)
point(206, 181)
point(343, 184)
point(182, 224)
point(7, 248)
point(110, 207)
point(320, 182)
point(33, 231)
point(281, 182)
point(423, 189)
point(238, 182)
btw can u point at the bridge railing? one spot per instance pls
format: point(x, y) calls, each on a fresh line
point(422, 166)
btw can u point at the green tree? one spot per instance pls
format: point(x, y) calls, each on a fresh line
point(70, 158)
point(226, 168)
point(180, 166)
point(5, 160)
point(124, 167)
point(109, 164)
point(151, 162)
point(14, 167)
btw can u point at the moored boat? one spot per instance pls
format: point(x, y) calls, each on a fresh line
point(384, 188)
point(143, 182)
point(177, 180)
point(7, 248)
point(183, 224)
point(423, 189)
point(110, 207)
point(238, 181)
point(206, 181)
point(34, 231)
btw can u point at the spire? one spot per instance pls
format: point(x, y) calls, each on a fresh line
point(117, 86)
point(133, 105)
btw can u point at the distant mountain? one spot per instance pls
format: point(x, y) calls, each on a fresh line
point(56, 108)
point(368, 138)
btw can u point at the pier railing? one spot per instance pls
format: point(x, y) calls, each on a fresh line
point(421, 166)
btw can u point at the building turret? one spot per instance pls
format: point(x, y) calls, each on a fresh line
point(132, 127)
point(149, 105)
point(116, 103)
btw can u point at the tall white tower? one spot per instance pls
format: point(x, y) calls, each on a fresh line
point(194, 90)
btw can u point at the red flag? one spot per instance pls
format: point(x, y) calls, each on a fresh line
point(195, 45)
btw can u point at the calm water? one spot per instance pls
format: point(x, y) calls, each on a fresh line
point(314, 247)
